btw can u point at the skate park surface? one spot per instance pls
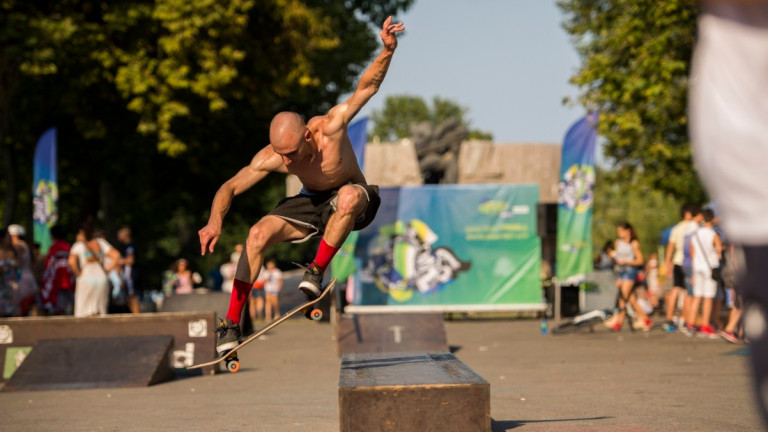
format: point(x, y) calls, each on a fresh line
point(581, 381)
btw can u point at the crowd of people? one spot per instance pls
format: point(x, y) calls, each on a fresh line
point(691, 288)
point(91, 276)
point(78, 279)
point(263, 300)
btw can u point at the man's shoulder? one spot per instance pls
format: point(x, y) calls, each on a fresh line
point(267, 159)
point(333, 122)
point(690, 227)
point(318, 120)
point(677, 229)
point(266, 151)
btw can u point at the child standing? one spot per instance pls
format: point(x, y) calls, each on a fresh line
point(273, 282)
point(652, 279)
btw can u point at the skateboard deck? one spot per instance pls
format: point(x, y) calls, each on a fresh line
point(233, 363)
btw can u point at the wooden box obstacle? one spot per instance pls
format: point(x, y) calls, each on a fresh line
point(412, 392)
point(389, 332)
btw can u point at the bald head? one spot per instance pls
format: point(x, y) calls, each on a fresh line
point(286, 130)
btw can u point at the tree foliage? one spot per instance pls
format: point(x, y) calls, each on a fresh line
point(400, 112)
point(649, 211)
point(634, 72)
point(158, 102)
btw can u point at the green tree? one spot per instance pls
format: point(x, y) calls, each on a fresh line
point(394, 120)
point(158, 102)
point(649, 211)
point(29, 41)
point(635, 63)
point(400, 112)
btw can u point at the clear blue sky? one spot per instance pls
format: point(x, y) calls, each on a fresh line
point(507, 61)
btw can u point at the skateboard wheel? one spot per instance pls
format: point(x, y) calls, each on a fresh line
point(316, 314)
point(233, 366)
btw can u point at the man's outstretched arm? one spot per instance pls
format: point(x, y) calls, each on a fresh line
point(373, 76)
point(262, 164)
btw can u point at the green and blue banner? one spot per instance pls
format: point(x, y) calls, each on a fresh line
point(343, 264)
point(574, 210)
point(451, 246)
point(45, 190)
point(358, 136)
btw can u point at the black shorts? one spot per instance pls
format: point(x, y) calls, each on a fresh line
point(313, 210)
point(678, 277)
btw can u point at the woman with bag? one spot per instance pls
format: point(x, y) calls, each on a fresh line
point(86, 259)
point(706, 252)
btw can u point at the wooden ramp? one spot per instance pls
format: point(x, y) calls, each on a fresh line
point(63, 364)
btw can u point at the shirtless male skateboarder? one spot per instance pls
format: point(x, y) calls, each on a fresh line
point(335, 198)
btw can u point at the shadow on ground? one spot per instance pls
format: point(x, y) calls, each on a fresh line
point(507, 425)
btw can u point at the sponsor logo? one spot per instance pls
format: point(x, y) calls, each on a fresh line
point(198, 328)
point(6, 334)
point(45, 211)
point(577, 188)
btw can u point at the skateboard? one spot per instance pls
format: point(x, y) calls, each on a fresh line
point(233, 363)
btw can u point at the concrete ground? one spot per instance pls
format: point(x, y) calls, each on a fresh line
point(582, 381)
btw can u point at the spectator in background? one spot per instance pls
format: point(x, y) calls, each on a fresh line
point(706, 250)
point(129, 269)
point(184, 279)
point(604, 260)
point(114, 275)
point(733, 271)
point(273, 283)
point(87, 260)
point(27, 286)
point(720, 297)
point(628, 258)
point(8, 275)
point(57, 291)
point(228, 268)
point(169, 280)
point(652, 285)
point(257, 299)
point(689, 328)
point(674, 265)
point(215, 279)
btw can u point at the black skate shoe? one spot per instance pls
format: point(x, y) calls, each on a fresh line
point(312, 283)
point(227, 336)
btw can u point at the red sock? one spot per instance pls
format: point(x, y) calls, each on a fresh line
point(240, 292)
point(325, 254)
